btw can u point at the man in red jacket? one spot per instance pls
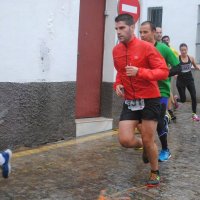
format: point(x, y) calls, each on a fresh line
point(139, 66)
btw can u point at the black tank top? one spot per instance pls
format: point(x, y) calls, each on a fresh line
point(186, 73)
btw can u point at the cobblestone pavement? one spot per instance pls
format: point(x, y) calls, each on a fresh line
point(80, 169)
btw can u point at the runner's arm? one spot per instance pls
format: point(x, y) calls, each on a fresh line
point(173, 61)
point(175, 70)
point(194, 63)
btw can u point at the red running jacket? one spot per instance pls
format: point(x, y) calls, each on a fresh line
point(152, 67)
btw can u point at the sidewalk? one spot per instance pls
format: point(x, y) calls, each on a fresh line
point(80, 169)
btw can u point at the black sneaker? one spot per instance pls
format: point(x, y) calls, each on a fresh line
point(173, 117)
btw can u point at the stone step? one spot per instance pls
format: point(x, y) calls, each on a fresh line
point(86, 126)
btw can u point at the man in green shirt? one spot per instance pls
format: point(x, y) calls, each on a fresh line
point(147, 33)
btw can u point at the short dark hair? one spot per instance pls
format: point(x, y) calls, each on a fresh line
point(163, 39)
point(183, 45)
point(165, 36)
point(128, 19)
point(152, 26)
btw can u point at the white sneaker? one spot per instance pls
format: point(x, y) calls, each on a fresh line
point(195, 117)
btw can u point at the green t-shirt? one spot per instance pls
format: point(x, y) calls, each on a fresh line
point(171, 61)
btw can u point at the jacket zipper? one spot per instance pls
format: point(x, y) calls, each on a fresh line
point(130, 78)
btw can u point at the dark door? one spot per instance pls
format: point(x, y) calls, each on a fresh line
point(90, 58)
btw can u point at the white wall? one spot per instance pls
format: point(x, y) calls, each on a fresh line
point(179, 20)
point(38, 40)
point(109, 41)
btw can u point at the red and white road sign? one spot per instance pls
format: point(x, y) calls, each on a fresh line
point(131, 7)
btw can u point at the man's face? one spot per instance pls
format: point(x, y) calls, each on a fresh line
point(124, 31)
point(158, 35)
point(166, 40)
point(146, 33)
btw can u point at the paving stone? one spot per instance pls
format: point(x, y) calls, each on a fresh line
point(81, 170)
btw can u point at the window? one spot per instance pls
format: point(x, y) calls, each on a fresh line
point(198, 38)
point(155, 15)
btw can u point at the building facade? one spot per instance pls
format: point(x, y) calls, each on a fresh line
point(54, 80)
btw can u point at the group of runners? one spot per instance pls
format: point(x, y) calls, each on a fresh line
point(184, 80)
point(144, 70)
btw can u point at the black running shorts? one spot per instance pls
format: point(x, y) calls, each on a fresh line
point(151, 111)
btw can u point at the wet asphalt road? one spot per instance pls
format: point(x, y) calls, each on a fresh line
point(80, 169)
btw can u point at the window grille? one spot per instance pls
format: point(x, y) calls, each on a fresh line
point(155, 15)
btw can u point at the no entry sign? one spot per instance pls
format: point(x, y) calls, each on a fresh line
point(131, 7)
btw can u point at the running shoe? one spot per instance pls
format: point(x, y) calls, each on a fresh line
point(195, 117)
point(137, 131)
point(164, 155)
point(138, 148)
point(144, 157)
point(154, 179)
point(6, 168)
point(176, 104)
point(171, 113)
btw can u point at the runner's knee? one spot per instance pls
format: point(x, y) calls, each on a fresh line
point(127, 142)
